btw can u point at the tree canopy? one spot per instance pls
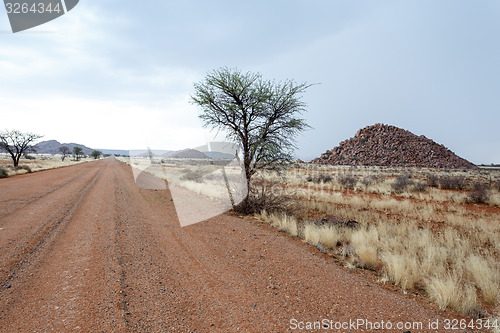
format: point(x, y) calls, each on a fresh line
point(64, 150)
point(78, 152)
point(16, 143)
point(262, 116)
point(96, 154)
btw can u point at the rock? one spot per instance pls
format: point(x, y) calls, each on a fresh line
point(386, 145)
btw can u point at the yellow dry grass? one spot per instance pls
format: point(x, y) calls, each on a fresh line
point(40, 163)
point(429, 240)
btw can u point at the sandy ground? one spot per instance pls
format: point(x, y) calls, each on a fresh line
point(83, 248)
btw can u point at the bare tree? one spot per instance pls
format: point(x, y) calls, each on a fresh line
point(65, 151)
point(16, 143)
point(260, 115)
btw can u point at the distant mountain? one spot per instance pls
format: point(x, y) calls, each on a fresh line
point(52, 147)
point(186, 153)
point(145, 153)
point(219, 150)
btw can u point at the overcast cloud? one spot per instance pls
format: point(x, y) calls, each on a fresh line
point(118, 74)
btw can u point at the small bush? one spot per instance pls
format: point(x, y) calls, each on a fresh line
point(347, 181)
point(479, 195)
point(195, 176)
point(3, 173)
point(432, 180)
point(322, 177)
point(259, 201)
point(420, 187)
point(401, 183)
point(452, 183)
point(24, 167)
point(367, 181)
point(496, 185)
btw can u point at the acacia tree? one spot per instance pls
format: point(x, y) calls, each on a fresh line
point(262, 116)
point(64, 150)
point(96, 154)
point(16, 143)
point(77, 151)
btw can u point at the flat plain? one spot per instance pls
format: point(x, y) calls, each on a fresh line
point(82, 248)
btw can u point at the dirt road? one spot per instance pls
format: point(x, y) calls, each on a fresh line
point(82, 248)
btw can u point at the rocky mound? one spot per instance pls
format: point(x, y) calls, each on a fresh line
point(386, 145)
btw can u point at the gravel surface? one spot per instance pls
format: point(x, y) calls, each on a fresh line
point(82, 248)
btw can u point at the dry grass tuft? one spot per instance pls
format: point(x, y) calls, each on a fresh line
point(450, 292)
point(329, 236)
point(311, 234)
point(427, 239)
point(401, 269)
point(484, 277)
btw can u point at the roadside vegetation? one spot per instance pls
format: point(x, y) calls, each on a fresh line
point(429, 231)
point(406, 225)
point(434, 232)
point(34, 162)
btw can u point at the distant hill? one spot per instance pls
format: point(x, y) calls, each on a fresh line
point(145, 153)
point(186, 153)
point(52, 147)
point(219, 150)
point(385, 145)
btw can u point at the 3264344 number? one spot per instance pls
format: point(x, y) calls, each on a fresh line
point(35, 8)
point(474, 324)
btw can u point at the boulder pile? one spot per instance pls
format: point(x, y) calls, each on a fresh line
point(386, 145)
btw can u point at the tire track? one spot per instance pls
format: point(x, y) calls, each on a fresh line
point(46, 235)
point(71, 282)
point(117, 261)
point(14, 205)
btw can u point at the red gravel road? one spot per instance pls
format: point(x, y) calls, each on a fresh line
point(82, 248)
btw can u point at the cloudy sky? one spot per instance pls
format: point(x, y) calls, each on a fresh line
point(118, 74)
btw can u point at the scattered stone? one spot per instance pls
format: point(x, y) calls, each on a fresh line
point(386, 145)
